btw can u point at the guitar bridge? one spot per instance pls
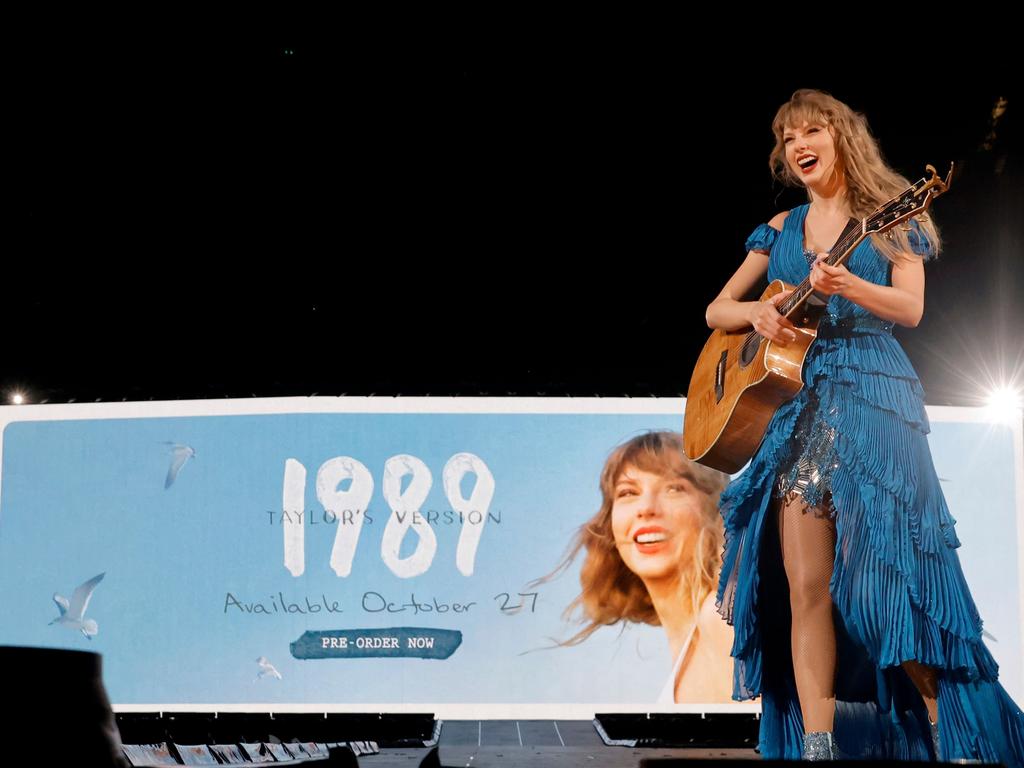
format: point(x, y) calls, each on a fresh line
point(720, 377)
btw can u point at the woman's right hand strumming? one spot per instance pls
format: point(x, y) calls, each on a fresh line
point(765, 318)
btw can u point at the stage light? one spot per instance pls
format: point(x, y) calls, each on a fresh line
point(1004, 403)
point(17, 398)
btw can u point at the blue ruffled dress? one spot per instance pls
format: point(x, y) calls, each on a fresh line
point(854, 440)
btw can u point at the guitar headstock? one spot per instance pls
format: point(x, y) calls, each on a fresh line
point(912, 202)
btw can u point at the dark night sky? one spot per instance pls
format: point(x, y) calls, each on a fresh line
point(210, 220)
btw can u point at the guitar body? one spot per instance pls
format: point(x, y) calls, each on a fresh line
point(733, 394)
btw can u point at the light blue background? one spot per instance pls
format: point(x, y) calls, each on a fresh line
point(81, 497)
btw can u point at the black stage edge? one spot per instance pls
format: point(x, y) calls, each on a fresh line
point(57, 708)
point(386, 730)
point(719, 730)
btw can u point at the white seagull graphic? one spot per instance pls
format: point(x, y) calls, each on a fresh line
point(72, 614)
point(179, 455)
point(266, 669)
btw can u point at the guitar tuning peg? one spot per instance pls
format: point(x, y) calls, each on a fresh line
point(922, 217)
point(906, 227)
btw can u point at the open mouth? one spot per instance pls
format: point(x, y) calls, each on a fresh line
point(807, 164)
point(650, 541)
point(650, 538)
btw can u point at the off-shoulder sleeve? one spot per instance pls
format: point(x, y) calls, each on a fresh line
point(762, 238)
point(919, 242)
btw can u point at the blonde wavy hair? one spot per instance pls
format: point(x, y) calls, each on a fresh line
point(869, 180)
point(613, 593)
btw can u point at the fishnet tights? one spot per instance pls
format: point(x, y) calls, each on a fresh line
point(808, 538)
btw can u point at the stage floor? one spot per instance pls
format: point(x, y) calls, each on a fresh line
point(545, 757)
point(535, 743)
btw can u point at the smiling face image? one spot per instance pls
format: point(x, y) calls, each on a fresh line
point(656, 519)
point(810, 152)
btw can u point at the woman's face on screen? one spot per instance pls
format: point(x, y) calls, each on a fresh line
point(655, 520)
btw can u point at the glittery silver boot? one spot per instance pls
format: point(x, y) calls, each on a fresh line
point(818, 745)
